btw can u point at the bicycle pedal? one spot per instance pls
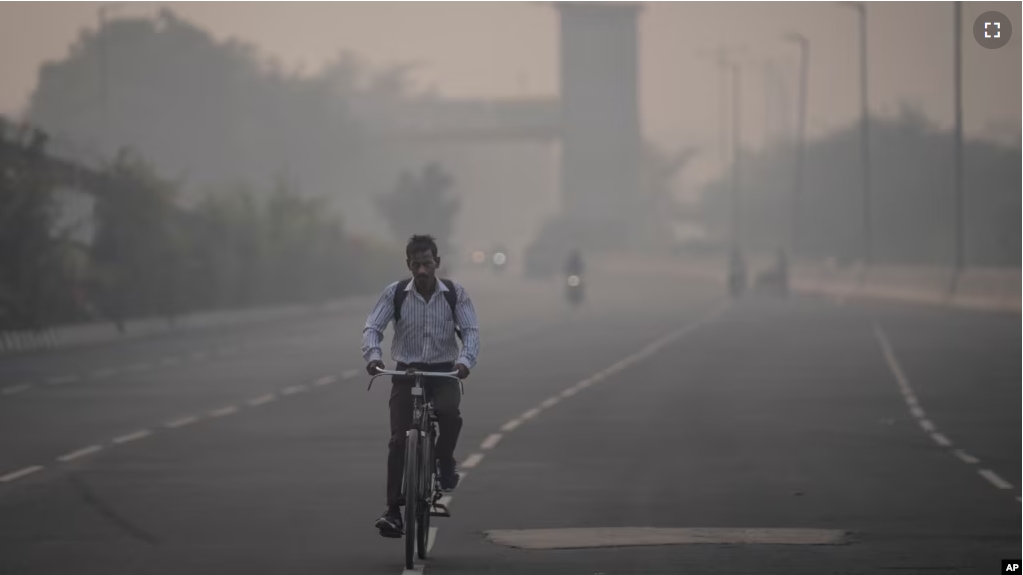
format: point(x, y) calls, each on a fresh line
point(439, 510)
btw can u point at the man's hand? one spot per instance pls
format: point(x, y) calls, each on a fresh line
point(373, 366)
point(463, 372)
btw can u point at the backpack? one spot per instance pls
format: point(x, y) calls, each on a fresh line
point(400, 294)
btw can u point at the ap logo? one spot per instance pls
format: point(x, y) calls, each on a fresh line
point(1011, 566)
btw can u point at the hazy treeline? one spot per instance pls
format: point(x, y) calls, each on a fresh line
point(219, 112)
point(149, 254)
point(912, 196)
point(228, 196)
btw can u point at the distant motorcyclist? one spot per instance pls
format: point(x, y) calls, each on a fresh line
point(574, 263)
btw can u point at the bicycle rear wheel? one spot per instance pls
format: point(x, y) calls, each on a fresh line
point(412, 489)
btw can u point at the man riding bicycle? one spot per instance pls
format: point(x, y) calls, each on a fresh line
point(427, 314)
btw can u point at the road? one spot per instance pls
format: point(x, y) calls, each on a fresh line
point(800, 436)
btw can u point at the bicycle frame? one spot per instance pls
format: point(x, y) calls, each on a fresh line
point(419, 480)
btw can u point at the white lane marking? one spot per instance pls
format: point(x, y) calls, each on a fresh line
point(550, 402)
point(350, 373)
point(430, 538)
point(917, 412)
point(20, 473)
point(511, 425)
point(62, 379)
point(940, 439)
point(325, 380)
point(182, 421)
point(102, 373)
point(170, 361)
point(472, 461)
point(569, 392)
point(491, 441)
point(16, 388)
point(584, 384)
point(965, 457)
point(79, 453)
point(293, 389)
point(992, 477)
point(132, 436)
point(596, 537)
point(223, 411)
point(530, 414)
point(262, 399)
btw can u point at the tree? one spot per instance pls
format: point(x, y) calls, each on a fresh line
point(36, 263)
point(419, 205)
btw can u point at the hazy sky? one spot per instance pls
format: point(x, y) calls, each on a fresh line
point(508, 49)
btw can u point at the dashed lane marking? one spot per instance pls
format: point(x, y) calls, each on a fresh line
point(134, 436)
point(79, 453)
point(20, 473)
point(262, 399)
point(181, 422)
point(224, 411)
point(913, 403)
point(491, 441)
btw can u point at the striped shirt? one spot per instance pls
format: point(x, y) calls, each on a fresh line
point(426, 331)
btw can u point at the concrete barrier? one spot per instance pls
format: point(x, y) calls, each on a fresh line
point(990, 289)
point(993, 289)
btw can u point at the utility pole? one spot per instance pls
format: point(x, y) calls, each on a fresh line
point(960, 200)
point(797, 189)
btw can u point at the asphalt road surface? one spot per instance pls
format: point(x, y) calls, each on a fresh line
point(789, 437)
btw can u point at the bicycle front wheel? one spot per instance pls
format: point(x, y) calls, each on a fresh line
point(412, 488)
point(426, 465)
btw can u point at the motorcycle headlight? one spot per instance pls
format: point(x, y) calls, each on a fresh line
point(573, 281)
point(500, 258)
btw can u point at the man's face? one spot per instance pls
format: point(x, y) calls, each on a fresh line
point(423, 267)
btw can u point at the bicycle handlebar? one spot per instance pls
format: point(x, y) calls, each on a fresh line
point(414, 372)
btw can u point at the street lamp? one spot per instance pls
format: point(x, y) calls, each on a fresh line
point(725, 65)
point(797, 189)
point(861, 8)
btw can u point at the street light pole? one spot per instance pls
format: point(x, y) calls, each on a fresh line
point(797, 189)
point(736, 147)
point(868, 256)
point(868, 247)
point(960, 200)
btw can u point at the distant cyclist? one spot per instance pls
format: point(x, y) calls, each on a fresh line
point(427, 314)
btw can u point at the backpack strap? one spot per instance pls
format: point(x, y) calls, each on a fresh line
point(452, 296)
point(399, 297)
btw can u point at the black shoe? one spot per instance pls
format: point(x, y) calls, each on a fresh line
point(390, 524)
point(448, 477)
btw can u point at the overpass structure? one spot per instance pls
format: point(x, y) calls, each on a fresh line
point(595, 121)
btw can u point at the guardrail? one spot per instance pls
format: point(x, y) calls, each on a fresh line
point(68, 336)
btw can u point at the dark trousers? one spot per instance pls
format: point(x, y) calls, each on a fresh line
point(446, 397)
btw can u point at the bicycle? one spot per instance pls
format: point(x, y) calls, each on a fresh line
point(420, 477)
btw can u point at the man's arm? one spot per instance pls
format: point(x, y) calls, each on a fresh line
point(465, 317)
point(376, 323)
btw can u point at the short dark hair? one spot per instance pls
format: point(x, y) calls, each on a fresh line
point(420, 243)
